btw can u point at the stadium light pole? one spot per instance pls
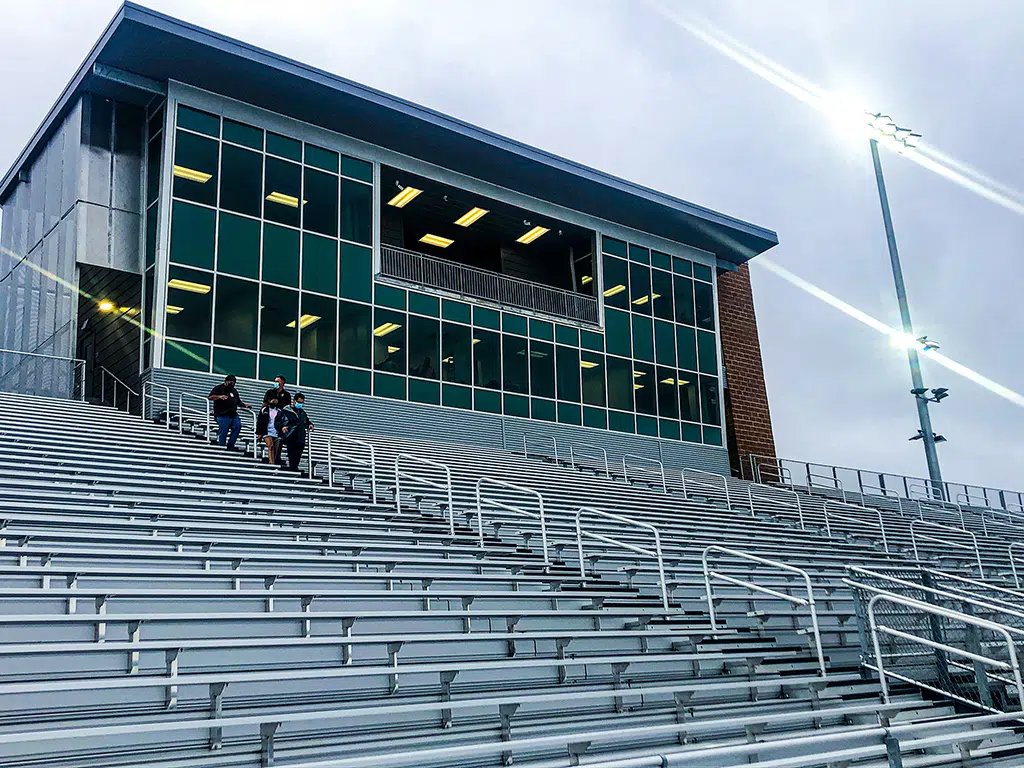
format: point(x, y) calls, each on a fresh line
point(883, 129)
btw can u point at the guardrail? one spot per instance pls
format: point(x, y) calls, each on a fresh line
point(540, 438)
point(760, 466)
point(775, 501)
point(629, 462)
point(655, 553)
point(880, 524)
point(574, 449)
point(115, 383)
point(205, 412)
point(1013, 566)
point(512, 508)
point(914, 536)
point(371, 462)
point(149, 396)
point(835, 483)
point(809, 602)
point(700, 479)
point(445, 486)
point(33, 373)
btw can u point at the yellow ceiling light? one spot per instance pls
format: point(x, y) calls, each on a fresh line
point(124, 310)
point(638, 374)
point(440, 242)
point(532, 235)
point(476, 341)
point(588, 364)
point(384, 330)
point(106, 306)
point(638, 386)
point(614, 290)
point(188, 285)
point(404, 197)
point(190, 174)
point(280, 197)
point(473, 214)
point(392, 350)
point(304, 321)
point(449, 360)
point(641, 300)
point(587, 279)
point(173, 310)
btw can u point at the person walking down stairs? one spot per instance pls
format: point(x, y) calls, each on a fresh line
point(293, 424)
point(226, 402)
point(266, 430)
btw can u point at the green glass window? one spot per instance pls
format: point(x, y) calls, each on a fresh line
point(195, 120)
point(272, 366)
point(241, 181)
point(620, 384)
point(616, 283)
point(319, 263)
point(617, 333)
point(707, 353)
point(691, 433)
point(681, 266)
point(318, 325)
point(238, 246)
point(621, 422)
point(689, 397)
point(456, 397)
point(241, 364)
point(423, 304)
point(189, 304)
point(710, 407)
point(640, 288)
point(702, 272)
point(517, 405)
point(668, 429)
point(515, 365)
point(567, 360)
point(151, 220)
point(389, 340)
point(566, 335)
point(595, 417)
point(541, 330)
point(568, 414)
point(424, 347)
point(614, 247)
point(191, 357)
point(192, 235)
point(643, 339)
point(154, 162)
point(513, 323)
point(486, 359)
point(665, 343)
point(352, 380)
point(354, 327)
point(390, 386)
point(456, 353)
point(324, 159)
point(355, 272)
point(280, 255)
point(712, 436)
point(684, 300)
point(279, 315)
point(240, 133)
point(542, 410)
point(282, 189)
point(150, 289)
point(237, 312)
point(687, 348)
point(668, 393)
point(320, 203)
point(592, 368)
point(389, 296)
point(456, 311)
point(356, 211)
point(661, 294)
point(282, 146)
point(195, 168)
point(645, 388)
point(646, 425)
point(704, 305)
point(542, 369)
point(424, 392)
point(316, 375)
point(487, 401)
point(487, 318)
point(639, 254)
point(356, 169)
point(661, 260)
point(592, 341)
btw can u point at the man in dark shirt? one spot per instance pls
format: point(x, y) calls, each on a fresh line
point(226, 402)
point(293, 425)
point(279, 393)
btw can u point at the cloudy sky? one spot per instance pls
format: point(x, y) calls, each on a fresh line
point(611, 84)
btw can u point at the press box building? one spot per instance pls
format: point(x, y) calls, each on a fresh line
point(193, 206)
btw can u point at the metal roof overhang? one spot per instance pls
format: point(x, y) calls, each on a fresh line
point(161, 48)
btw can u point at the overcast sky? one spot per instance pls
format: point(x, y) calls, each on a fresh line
point(610, 84)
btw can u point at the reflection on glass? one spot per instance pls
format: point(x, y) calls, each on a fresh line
point(235, 319)
point(389, 340)
point(568, 369)
point(424, 347)
point(668, 396)
point(640, 288)
point(689, 399)
point(486, 359)
point(189, 304)
point(241, 184)
point(317, 327)
point(515, 364)
point(704, 305)
point(620, 383)
point(456, 353)
point(542, 368)
point(354, 334)
point(709, 405)
point(592, 367)
point(616, 293)
point(645, 388)
point(279, 313)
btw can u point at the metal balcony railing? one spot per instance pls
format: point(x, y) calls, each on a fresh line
point(444, 275)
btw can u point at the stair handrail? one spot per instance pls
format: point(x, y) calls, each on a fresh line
point(880, 524)
point(78, 367)
point(629, 462)
point(698, 482)
point(914, 536)
point(115, 383)
point(544, 438)
point(656, 553)
point(371, 462)
point(835, 481)
point(1013, 566)
point(765, 496)
point(574, 449)
point(182, 408)
point(808, 602)
point(512, 508)
point(781, 471)
point(149, 386)
point(445, 486)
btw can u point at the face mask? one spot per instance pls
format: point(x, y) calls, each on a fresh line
point(298, 405)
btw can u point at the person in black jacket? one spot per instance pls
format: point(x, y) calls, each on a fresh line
point(266, 430)
point(226, 402)
point(279, 393)
point(293, 424)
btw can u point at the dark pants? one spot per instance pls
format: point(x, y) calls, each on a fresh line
point(226, 425)
point(295, 449)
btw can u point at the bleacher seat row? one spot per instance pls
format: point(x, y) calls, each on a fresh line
point(165, 603)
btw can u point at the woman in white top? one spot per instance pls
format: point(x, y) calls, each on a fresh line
point(266, 429)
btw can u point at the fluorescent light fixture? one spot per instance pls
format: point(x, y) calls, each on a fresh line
point(670, 380)
point(476, 341)
point(404, 197)
point(384, 330)
point(188, 285)
point(449, 360)
point(642, 300)
point(280, 197)
point(392, 350)
point(638, 374)
point(588, 364)
point(473, 214)
point(537, 353)
point(190, 174)
point(614, 290)
point(440, 242)
point(638, 386)
point(304, 321)
point(532, 235)
point(586, 279)
point(173, 310)
point(106, 306)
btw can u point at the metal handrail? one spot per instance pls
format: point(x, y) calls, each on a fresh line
point(255, 441)
point(809, 602)
point(371, 462)
point(660, 469)
point(782, 472)
point(78, 364)
point(930, 490)
point(205, 412)
point(914, 537)
point(834, 480)
point(580, 533)
point(150, 386)
point(858, 521)
point(701, 484)
point(1013, 566)
point(1008, 606)
point(776, 501)
point(446, 486)
point(104, 373)
point(574, 448)
point(545, 438)
point(512, 508)
point(935, 610)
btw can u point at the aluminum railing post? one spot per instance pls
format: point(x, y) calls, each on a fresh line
point(543, 529)
point(893, 752)
point(579, 544)
point(936, 630)
point(974, 645)
point(707, 590)
point(479, 513)
point(862, 628)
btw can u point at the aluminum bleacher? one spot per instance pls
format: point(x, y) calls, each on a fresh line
point(403, 603)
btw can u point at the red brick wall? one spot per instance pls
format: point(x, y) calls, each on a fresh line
point(748, 422)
